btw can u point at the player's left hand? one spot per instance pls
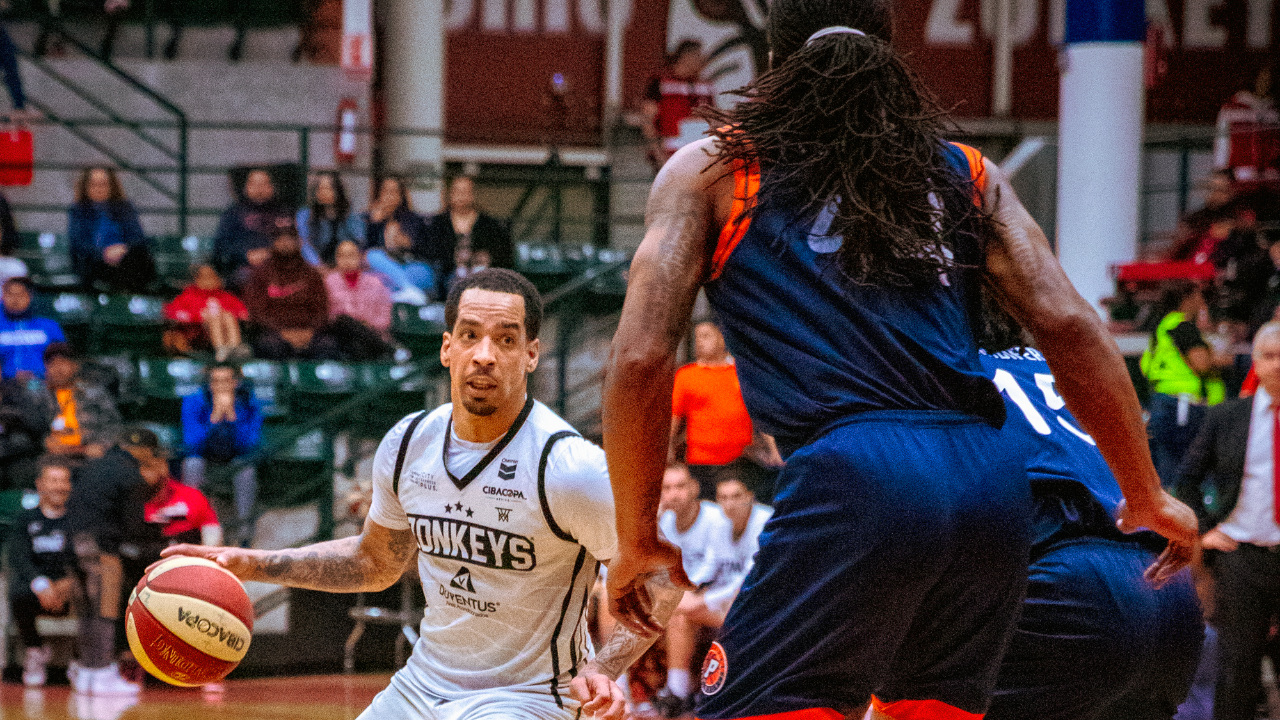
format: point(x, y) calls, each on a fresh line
point(1175, 521)
point(600, 696)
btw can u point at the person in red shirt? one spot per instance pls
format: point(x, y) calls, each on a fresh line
point(671, 97)
point(207, 315)
point(180, 512)
point(707, 405)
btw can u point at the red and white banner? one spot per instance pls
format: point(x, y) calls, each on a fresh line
point(357, 38)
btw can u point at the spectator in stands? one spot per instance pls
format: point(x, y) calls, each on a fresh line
point(108, 248)
point(221, 424)
point(1180, 368)
point(173, 513)
point(327, 220)
point(695, 527)
point(243, 238)
point(41, 565)
point(731, 555)
point(1248, 132)
point(671, 97)
point(359, 306)
point(85, 419)
point(207, 316)
point(287, 299)
point(396, 239)
point(707, 404)
point(1199, 233)
point(24, 336)
point(23, 426)
point(462, 239)
point(411, 279)
point(106, 517)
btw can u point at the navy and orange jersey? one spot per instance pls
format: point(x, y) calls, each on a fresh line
point(1076, 494)
point(813, 347)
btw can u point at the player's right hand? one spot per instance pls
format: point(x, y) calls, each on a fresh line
point(1175, 521)
point(629, 600)
point(600, 696)
point(237, 561)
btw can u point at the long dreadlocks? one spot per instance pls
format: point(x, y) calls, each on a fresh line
point(843, 120)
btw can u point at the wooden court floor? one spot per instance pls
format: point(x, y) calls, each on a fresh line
point(316, 697)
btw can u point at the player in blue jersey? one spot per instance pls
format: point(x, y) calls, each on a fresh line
point(1095, 639)
point(842, 244)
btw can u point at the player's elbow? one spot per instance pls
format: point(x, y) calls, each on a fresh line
point(1073, 325)
point(637, 361)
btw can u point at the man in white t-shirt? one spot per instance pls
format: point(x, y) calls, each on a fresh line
point(508, 511)
point(696, 527)
point(733, 553)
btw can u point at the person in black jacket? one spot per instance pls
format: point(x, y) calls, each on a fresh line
point(23, 426)
point(107, 520)
point(463, 240)
point(243, 238)
point(1241, 530)
point(109, 250)
point(41, 564)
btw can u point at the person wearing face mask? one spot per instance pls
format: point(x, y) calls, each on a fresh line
point(287, 299)
point(109, 251)
point(359, 306)
point(243, 238)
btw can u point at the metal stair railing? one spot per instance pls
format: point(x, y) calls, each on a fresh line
point(178, 155)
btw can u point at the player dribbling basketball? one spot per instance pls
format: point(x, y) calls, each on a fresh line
point(509, 511)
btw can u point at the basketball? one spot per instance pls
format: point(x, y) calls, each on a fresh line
point(189, 621)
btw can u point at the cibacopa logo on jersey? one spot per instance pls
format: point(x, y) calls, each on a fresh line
point(465, 599)
point(475, 544)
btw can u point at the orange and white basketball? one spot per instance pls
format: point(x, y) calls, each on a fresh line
point(189, 621)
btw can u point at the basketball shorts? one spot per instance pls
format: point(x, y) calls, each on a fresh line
point(1096, 640)
point(893, 566)
point(406, 700)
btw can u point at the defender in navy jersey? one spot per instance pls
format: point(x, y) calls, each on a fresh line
point(1095, 639)
point(842, 244)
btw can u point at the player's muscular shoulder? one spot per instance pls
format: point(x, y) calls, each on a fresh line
point(695, 179)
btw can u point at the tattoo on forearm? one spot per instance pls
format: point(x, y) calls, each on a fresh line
point(625, 646)
point(335, 566)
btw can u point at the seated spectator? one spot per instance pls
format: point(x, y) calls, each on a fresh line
point(108, 248)
point(730, 556)
point(220, 424)
point(286, 298)
point(1199, 233)
point(396, 239)
point(85, 419)
point(707, 404)
point(180, 512)
point(359, 307)
point(243, 238)
point(463, 239)
point(695, 527)
point(42, 565)
point(23, 425)
point(327, 220)
point(207, 316)
point(106, 517)
point(24, 335)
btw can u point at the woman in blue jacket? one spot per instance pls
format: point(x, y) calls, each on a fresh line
point(108, 248)
point(220, 424)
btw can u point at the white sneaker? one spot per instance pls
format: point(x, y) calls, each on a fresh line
point(33, 664)
point(103, 682)
point(81, 677)
point(409, 296)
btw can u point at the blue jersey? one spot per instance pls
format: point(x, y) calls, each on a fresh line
point(1075, 493)
point(22, 343)
point(813, 348)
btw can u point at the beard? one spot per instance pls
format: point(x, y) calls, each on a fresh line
point(479, 408)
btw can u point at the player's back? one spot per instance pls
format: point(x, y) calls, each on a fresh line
point(813, 347)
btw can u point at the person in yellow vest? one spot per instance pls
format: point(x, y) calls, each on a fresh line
point(1183, 377)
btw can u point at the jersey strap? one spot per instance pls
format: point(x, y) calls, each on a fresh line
point(746, 183)
point(977, 172)
point(404, 450)
point(542, 484)
point(465, 480)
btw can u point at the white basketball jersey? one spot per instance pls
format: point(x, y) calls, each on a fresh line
point(697, 542)
point(508, 550)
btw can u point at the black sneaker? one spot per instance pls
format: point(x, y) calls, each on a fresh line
point(671, 706)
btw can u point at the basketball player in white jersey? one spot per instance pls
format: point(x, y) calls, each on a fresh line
point(509, 511)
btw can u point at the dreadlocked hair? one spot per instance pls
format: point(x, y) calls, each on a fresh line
point(841, 122)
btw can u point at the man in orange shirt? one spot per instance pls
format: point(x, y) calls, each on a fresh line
point(707, 404)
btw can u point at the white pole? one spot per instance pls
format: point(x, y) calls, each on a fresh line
point(1002, 63)
point(414, 81)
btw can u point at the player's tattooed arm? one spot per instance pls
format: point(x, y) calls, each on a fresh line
point(625, 645)
point(373, 560)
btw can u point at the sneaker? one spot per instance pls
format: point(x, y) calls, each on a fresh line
point(80, 677)
point(669, 705)
point(108, 682)
point(33, 663)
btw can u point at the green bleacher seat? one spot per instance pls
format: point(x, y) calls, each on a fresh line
point(51, 271)
point(170, 435)
point(299, 472)
point(398, 398)
point(419, 328)
point(316, 387)
point(130, 323)
point(32, 242)
point(270, 385)
point(162, 384)
point(543, 263)
point(74, 312)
